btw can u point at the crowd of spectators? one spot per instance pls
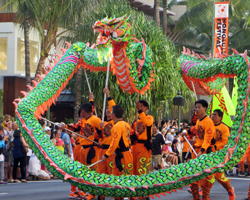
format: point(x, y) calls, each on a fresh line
point(169, 147)
point(17, 161)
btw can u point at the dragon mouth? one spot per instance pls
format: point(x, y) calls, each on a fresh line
point(104, 35)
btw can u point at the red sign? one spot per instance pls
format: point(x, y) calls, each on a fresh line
point(221, 28)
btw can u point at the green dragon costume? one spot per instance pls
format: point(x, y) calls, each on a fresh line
point(132, 65)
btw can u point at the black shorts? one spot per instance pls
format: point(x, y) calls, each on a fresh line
point(184, 155)
point(6, 155)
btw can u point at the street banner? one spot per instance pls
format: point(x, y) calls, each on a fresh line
point(221, 28)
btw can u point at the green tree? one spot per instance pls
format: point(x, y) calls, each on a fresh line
point(54, 14)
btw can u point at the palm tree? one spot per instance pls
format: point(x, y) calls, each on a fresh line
point(165, 22)
point(157, 12)
point(52, 15)
point(195, 26)
point(24, 15)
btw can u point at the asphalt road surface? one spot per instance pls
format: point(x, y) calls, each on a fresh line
point(57, 190)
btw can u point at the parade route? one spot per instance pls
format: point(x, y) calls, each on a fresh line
point(56, 189)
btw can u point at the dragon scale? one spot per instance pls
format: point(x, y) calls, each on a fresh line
point(79, 54)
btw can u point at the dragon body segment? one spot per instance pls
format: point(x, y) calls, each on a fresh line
point(132, 65)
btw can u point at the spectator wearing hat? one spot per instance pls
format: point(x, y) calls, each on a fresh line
point(168, 133)
point(171, 136)
point(47, 130)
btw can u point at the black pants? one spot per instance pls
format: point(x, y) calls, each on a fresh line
point(22, 161)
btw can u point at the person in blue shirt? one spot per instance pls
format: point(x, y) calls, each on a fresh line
point(2, 146)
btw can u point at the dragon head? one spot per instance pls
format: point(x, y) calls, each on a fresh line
point(116, 29)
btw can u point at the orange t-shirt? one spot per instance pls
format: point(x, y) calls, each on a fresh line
point(222, 134)
point(144, 126)
point(205, 132)
point(106, 132)
point(91, 130)
point(121, 130)
point(185, 144)
point(78, 127)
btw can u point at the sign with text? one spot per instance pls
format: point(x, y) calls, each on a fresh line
point(221, 28)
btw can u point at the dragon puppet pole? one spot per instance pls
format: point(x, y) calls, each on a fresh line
point(97, 162)
point(136, 114)
point(188, 150)
point(190, 145)
point(194, 91)
point(88, 85)
point(105, 96)
point(72, 131)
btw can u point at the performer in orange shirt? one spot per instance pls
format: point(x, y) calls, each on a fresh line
point(90, 151)
point(205, 133)
point(242, 163)
point(123, 161)
point(221, 138)
point(141, 148)
point(79, 127)
point(106, 166)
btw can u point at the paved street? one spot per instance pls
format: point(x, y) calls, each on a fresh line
point(57, 190)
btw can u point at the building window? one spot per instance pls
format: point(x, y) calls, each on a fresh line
point(21, 55)
point(3, 53)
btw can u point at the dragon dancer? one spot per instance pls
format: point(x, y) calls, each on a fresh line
point(79, 127)
point(123, 160)
point(107, 165)
point(142, 139)
point(205, 133)
point(242, 163)
point(222, 134)
point(90, 151)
